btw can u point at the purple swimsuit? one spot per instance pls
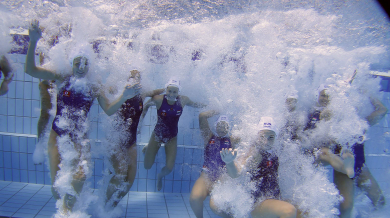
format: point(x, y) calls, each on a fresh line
point(213, 162)
point(130, 112)
point(168, 119)
point(266, 177)
point(72, 111)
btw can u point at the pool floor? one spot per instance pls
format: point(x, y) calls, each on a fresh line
point(34, 200)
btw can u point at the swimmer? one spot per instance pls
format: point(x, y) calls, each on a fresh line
point(169, 109)
point(345, 163)
point(124, 159)
point(73, 105)
point(213, 164)
point(5, 67)
point(263, 168)
point(293, 123)
point(363, 177)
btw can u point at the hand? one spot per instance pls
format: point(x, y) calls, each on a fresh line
point(228, 155)
point(35, 33)
point(132, 90)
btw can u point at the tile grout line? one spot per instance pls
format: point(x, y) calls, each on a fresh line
point(127, 203)
point(28, 199)
point(43, 206)
point(185, 204)
point(166, 205)
point(4, 188)
point(13, 196)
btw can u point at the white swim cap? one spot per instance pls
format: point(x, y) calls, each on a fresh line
point(267, 123)
point(222, 118)
point(173, 82)
point(81, 50)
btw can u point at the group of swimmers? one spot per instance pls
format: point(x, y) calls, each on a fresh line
point(220, 153)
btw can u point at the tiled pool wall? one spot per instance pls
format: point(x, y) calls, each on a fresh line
point(19, 113)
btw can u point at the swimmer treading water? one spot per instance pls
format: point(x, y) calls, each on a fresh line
point(238, 68)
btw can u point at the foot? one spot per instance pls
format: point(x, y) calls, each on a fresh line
point(349, 164)
point(159, 183)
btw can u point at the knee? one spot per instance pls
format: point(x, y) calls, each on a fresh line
point(148, 165)
point(290, 211)
point(346, 206)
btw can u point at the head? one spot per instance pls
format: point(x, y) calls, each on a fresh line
point(222, 126)
point(323, 98)
point(267, 134)
point(172, 89)
point(80, 66)
point(134, 75)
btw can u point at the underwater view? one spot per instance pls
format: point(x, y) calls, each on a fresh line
point(287, 108)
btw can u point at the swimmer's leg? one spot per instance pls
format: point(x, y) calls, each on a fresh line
point(272, 208)
point(343, 165)
point(54, 161)
point(346, 187)
point(151, 151)
point(214, 208)
point(199, 193)
point(170, 153)
point(123, 179)
point(368, 184)
point(7, 71)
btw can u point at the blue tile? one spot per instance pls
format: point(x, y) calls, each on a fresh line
point(19, 124)
point(142, 185)
point(1, 142)
point(98, 167)
point(180, 155)
point(11, 90)
point(27, 108)
point(11, 124)
point(7, 143)
point(19, 89)
point(15, 161)
point(27, 90)
point(196, 158)
point(133, 187)
point(39, 167)
point(186, 172)
point(15, 143)
point(11, 107)
point(176, 186)
point(178, 172)
point(168, 186)
point(188, 155)
point(23, 144)
point(24, 176)
point(19, 107)
point(195, 172)
point(2, 173)
point(142, 172)
point(48, 179)
point(4, 123)
point(185, 186)
point(31, 145)
point(36, 108)
point(152, 172)
point(1, 159)
point(26, 125)
point(23, 161)
point(7, 160)
point(151, 185)
point(4, 106)
point(35, 92)
point(30, 162)
point(15, 175)
point(40, 177)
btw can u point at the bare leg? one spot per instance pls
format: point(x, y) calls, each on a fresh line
point(274, 209)
point(368, 184)
point(170, 153)
point(346, 187)
point(151, 151)
point(343, 165)
point(125, 169)
point(199, 193)
point(6, 69)
point(54, 161)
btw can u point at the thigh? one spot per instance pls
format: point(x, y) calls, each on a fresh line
point(151, 150)
point(170, 152)
point(346, 186)
point(54, 155)
point(132, 166)
point(201, 188)
point(367, 183)
point(272, 208)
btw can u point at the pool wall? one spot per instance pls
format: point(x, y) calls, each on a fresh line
point(19, 113)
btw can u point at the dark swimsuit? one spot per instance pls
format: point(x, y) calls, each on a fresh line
point(73, 106)
point(357, 149)
point(266, 177)
point(167, 121)
point(130, 113)
point(213, 162)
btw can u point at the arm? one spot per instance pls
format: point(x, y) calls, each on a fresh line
point(110, 109)
point(187, 101)
point(152, 93)
point(35, 33)
point(379, 112)
point(204, 124)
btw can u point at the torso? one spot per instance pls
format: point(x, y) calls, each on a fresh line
point(213, 162)
point(168, 119)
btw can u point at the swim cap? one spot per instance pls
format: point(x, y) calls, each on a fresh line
point(267, 123)
point(173, 82)
point(222, 118)
point(81, 50)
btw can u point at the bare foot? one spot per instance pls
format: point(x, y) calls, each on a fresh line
point(159, 183)
point(349, 164)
